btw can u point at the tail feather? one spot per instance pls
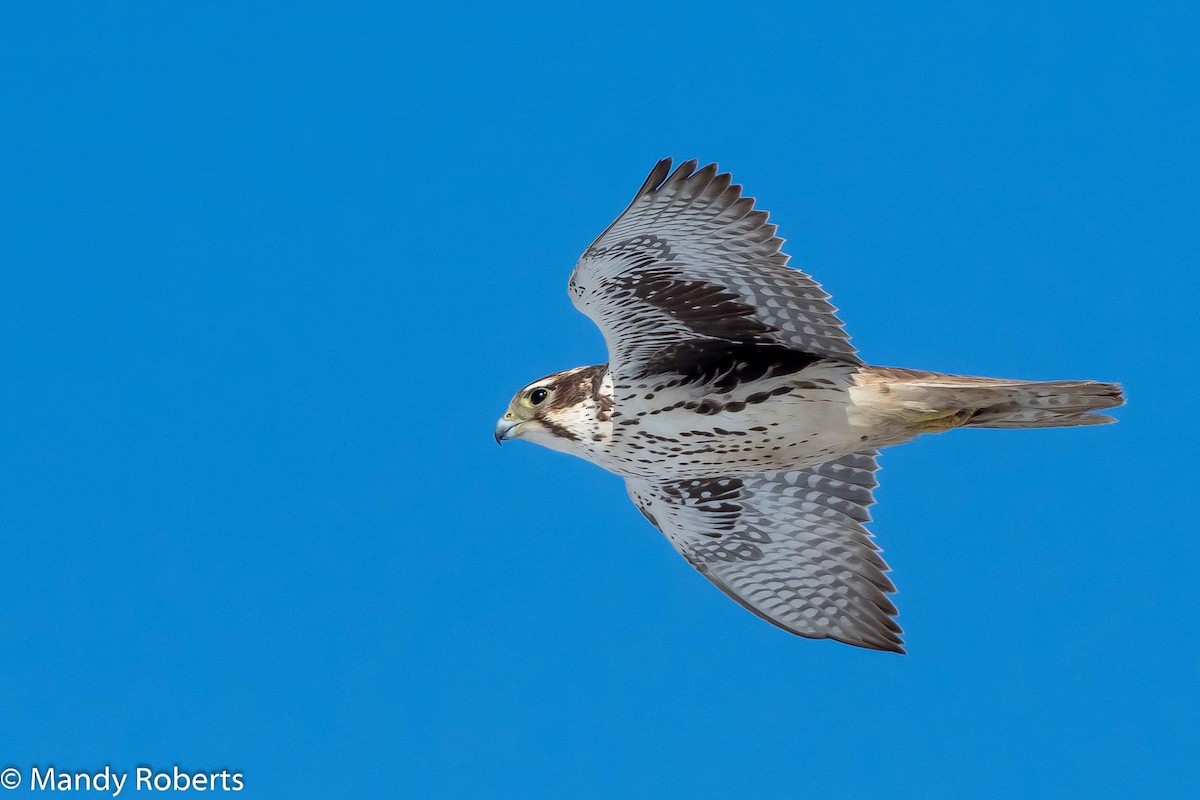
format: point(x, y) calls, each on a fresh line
point(1052, 404)
point(968, 401)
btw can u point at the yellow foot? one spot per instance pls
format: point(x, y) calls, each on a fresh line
point(944, 421)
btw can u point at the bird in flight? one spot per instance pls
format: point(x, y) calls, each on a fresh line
point(743, 422)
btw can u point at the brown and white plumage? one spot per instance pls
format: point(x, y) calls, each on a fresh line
point(740, 416)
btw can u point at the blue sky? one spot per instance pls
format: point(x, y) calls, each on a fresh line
point(268, 277)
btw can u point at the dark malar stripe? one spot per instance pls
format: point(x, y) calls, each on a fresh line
point(559, 430)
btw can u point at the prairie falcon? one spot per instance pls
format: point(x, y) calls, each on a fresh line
point(743, 422)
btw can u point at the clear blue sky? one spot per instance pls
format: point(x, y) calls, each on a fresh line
point(268, 276)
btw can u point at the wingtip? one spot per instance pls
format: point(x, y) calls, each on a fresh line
point(878, 644)
point(657, 177)
point(662, 174)
point(686, 168)
point(888, 646)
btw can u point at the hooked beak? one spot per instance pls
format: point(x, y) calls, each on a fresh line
point(505, 429)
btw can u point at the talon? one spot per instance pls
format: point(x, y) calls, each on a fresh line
point(954, 419)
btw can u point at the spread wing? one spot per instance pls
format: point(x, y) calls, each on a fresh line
point(789, 546)
point(690, 267)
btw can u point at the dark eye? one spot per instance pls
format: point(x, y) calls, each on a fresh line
point(538, 396)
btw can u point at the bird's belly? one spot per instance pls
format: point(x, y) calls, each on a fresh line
point(685, 436)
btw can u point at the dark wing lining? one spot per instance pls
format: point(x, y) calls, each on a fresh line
point(691, 260)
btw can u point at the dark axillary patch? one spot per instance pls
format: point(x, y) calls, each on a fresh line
point(712, 495)
point(708, 309)
point(731, 346)
point(727, 365)
point(724, 499)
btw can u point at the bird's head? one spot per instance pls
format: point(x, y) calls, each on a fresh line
point(569, 411)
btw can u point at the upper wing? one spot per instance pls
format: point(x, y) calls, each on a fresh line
point(789, 546)
point(690, 263)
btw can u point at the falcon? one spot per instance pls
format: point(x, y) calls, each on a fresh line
point(744, 423)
